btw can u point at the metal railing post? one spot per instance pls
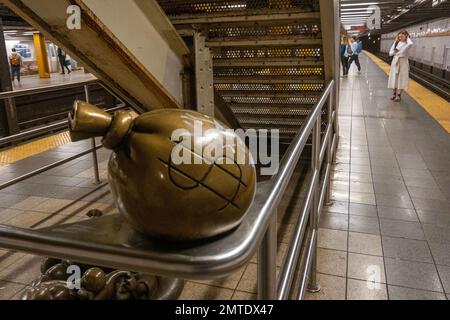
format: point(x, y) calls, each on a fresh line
point(267, 262)
point(93, 143)
point(313, 286)
point(11, 116)
point(329, 157)
point(335, 108)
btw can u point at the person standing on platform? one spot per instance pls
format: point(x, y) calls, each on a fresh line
point(16, 62)
point(356, 49)
point(399, 74)
point(344, 58)
point(62, 56)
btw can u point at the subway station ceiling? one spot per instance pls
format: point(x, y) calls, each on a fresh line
point(395, 14)
point(9, 18)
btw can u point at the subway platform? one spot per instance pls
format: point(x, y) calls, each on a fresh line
point(33, 82)
point(386, 235)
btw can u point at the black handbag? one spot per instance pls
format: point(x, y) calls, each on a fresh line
point(392, 57)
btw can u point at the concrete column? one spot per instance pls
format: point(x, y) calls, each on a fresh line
point(41, 54)
point(8, 115)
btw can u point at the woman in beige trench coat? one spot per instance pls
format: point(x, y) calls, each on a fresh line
point(399, 74)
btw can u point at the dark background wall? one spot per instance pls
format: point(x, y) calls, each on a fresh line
point(372, 43)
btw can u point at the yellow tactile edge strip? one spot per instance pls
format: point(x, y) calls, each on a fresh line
point(436, 106)
point(32, 148)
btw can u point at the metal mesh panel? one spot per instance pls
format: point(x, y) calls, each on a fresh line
point(179, 7)
point(269, 72)
point(306, 30)
point(290, 132)
point(269, 111)
point(271, 122)
point(310, 87)
point(261, 53)
point(273, 100)
point(284, 130)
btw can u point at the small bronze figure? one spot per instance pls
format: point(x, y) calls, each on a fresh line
point(97, 283)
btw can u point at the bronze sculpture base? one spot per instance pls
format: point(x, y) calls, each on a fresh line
point(99, 284)
point(58, 282)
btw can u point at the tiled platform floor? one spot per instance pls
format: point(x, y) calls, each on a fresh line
point(61, 195)
point(390, 223)
point(26, 150)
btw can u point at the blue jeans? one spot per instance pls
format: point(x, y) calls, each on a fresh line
point(344, 61)
point(15, 71)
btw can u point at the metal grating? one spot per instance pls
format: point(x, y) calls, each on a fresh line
point(185, 7)
point(273, 100)
point(270, 111)
point(269, 72)
point(284, 132)
point(262, 53)
point(310, 87)
point(304, 30)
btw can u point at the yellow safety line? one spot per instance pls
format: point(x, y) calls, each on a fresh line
point(436, 106)
point(32, 148)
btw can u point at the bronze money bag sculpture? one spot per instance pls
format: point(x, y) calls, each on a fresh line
point(174, 174)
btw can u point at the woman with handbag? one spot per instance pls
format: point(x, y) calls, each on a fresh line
point(343, 55)
point(62, 61)
point(399, 74)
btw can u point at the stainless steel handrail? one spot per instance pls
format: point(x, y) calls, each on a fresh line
point(10, 106)
point(46, 89)
point(110, 241)
point(47, 167)
point(55, 126)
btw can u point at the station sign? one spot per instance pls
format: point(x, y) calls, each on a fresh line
point(359, 28)
point(437, 2)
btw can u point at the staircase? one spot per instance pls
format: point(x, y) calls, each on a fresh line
point(267, 56)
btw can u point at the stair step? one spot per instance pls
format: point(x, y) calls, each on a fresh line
point(275, 95)
point(222, 33)
point(271, 112)
point(267, 62)
point(267, 80)
point(260, 100)
point(303, 52)
point(269, 87)
point(287, 41)
point(262, 72)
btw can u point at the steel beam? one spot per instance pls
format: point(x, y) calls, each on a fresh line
point(223, 110)
point(246, 17)
point(204, 82)
point(267, 80)
point(292, 41)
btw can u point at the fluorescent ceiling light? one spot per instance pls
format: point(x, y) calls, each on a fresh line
point(359, 4)
point(356, 9)
point(355, 14)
